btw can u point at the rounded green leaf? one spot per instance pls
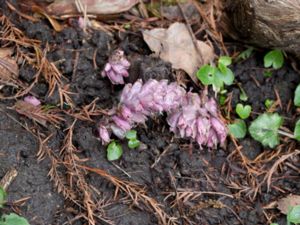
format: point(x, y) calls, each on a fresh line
point(114, 151)
point(293, 215)
point(224, 60)
point(297, 131)
point(238, 129)
point(243, 111)
point(227, 76)
point(2, 197)
point(297, 96)
point(206, 74)
point(133, 143)
point(13, 219)
point(265, 129)
point(274, 58)
point(131, 134)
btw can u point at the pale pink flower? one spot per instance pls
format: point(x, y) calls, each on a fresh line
point(32, 100)
point(116, 68)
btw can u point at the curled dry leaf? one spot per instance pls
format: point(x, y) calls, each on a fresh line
point(286, 203)
point(64, 7)
point(176, 46)
point(8, 66)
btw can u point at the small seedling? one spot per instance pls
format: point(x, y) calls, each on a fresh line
point(245, 54)
point(217, 76)
point(114, 151)
point(269, 103)
point(293, 215)
point(274, 58)
point(297, 96)
point(133, 142)
point(13, 219)
point(238, 129)
point(243, 111)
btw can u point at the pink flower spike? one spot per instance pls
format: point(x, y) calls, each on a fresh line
point(32, 100)
point(219, 128)
point(122, 123)
point(116, 68)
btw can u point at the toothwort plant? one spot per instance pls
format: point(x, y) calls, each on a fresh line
point(116, 68)
point(189, 115)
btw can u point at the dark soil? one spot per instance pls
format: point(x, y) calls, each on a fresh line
point(182, 166)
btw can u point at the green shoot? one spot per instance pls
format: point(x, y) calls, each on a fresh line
point(217, 76)
point(133, 142)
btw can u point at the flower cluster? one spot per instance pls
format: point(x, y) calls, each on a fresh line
point(116, 68)
point(188, 115)
point(197, 118)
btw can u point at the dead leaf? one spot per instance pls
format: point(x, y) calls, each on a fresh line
point(176, 46)
point(284, 204)
point(8, 66)
point(57, 27)
point(63, 7)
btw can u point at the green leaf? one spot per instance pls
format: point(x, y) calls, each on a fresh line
point(269, 103)
point(297, 131)
point(131, 134)
point(265, 129)
point(206, 74)
point(293, 215)
point(13, 219)
point(2, 197)
point(225, 61)
point(274, 224)
point(238, 129)
point(274, 58)
point(114, 151)
point(133, 143)
point(246, 54)
point(227, 77)
point(243, 111)
point(297, 96)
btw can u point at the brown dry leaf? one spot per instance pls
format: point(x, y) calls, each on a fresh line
point(176, 46)
point(57, 27)
point(8, 66)
point(285, 203)
point(63, 7)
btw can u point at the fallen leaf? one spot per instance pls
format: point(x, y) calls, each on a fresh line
point(8, 66)
point(57, 27)
point(176, 46)
point(286, 203)
point(63, 7)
